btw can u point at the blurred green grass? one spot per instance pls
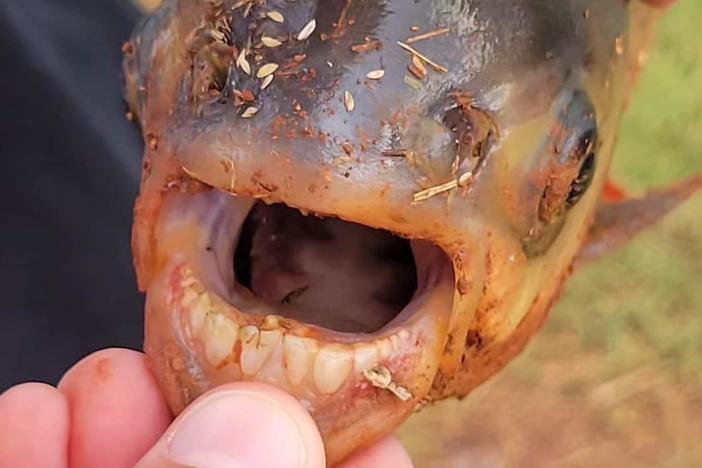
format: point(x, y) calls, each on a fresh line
point(615, 378)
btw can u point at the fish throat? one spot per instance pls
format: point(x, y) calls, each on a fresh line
point(324, 271)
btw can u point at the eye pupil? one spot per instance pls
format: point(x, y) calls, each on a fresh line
point(573, 169)
point(571, 176)
point(582, 182)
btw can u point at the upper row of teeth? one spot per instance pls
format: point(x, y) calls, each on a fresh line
point(272, 352)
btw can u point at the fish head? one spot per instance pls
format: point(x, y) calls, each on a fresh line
point(367, 204)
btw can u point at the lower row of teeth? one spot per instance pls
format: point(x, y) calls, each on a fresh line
point(275, 352)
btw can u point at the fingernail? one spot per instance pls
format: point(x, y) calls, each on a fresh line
point(237, 429)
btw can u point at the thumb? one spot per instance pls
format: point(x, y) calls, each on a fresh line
point(243, 425)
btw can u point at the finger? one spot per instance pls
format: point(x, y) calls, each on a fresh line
point(240, 425)
point(659, 3)
point(387, 452)
point(117, 411)
point(34, 429)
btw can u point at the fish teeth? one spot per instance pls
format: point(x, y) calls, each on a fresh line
point(249, 342)
point(365, 357)
point(189, 297)
point(294, 358)
point(188, 281)
point(332, 367)
point(256, 347)
point(395, 342)
point(299, 353)
point(384, 348)
point(220, 335)
point(268, 341)
point(200, 306)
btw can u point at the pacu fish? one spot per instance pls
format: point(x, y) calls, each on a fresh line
point(372, 204)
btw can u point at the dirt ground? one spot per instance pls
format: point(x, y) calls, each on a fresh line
point(548, 411)
point(615, 379)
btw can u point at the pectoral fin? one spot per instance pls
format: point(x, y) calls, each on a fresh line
point(613, 193)
point(618, 221)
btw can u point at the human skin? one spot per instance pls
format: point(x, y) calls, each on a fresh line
point(108, 411)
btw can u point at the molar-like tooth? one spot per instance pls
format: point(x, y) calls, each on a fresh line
point(220, 335)
point(200, 306)
point(189, 297)
point(384, 348)
point(395, 342)
point(187, 281)
point(248, 335)
point(365, 357)
point(268, 341)
point(255, 351)
point(299, 353)
point(271, 321)
point(331, 367)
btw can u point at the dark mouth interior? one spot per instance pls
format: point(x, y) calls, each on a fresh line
point(327, 272)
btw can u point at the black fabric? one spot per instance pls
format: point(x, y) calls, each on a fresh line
point(69, 164)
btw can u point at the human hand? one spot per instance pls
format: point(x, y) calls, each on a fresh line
point(108, 412)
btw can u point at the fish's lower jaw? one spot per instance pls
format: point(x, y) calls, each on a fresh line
point(274, 349)
point(202, 331)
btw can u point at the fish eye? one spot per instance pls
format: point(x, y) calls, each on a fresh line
point(568, 164)
point(572, 158)
point(582, 182)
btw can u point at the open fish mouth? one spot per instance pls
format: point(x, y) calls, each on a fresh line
point(334, 312)
point(313, 305)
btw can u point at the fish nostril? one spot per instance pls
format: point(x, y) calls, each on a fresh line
point(453, 137)
point(432, 150)
point(473, 130)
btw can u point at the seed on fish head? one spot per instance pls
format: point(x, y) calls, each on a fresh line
point(275, 16)
point(349, 101)
point(307, 31)
point(267, 81)
point(243, 63)
point(249, 112)
point(375, 74)
point(267, 69)
point(270, 42)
